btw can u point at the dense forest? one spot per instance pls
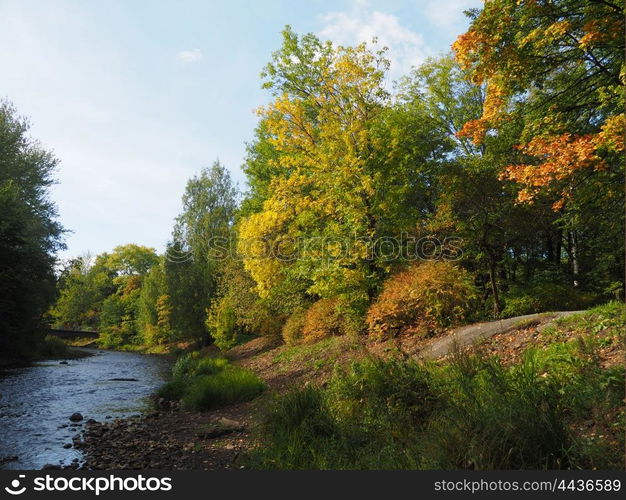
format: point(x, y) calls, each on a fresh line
point(486, 183)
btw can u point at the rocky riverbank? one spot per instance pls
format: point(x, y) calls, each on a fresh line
point(166, 439)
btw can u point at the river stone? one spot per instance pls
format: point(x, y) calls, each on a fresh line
point(67, 445)
point(76, 417)
point(230, 424)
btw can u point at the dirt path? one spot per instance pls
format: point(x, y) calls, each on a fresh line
point(471, 334)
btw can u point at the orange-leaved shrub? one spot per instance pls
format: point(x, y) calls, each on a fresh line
point(323, 319)
point(423, 300)
point(292, 329)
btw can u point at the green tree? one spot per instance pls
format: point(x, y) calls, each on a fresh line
point(82, 287)
point(346, 168)
point(153, 311)
point(131, 259)
point(202, 234)
point(30, 234)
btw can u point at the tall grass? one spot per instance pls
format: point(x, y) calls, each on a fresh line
point(204, 383)
point(53, 347)
point(232, 385)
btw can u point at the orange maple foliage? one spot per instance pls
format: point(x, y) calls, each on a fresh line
point(562, 156)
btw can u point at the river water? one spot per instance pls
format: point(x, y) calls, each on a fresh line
point(37, 401)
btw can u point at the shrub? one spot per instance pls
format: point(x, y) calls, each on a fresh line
point(292, 329)
point(367, 418)
point(53, 347)
point(184, 364)
point(424, 299)
point(209, 366)
point(172, 390)
point(322, 320)
point(222, 324)
point(544, 293)
point(231, 385)
point(204, 383)
point(298, 432)
point(382, 394)
point(472, 413)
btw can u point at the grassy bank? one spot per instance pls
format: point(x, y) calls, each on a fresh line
point(557, 406)
point(204, 383)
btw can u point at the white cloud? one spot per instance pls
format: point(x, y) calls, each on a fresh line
point(406, 47)
point(448, 15)
point(189, 56)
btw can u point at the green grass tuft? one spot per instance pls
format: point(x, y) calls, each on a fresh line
point(231, 385)
point(204, 383)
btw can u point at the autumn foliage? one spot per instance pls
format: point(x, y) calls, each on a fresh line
point(292, 329)
point(322, 320)
point(569, 54)
point(423, 300)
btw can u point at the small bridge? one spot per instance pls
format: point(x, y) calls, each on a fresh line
point(72, 334)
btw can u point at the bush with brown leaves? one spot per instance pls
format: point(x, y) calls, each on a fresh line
point(323, 319)
point(423, 300)
point(292, 329)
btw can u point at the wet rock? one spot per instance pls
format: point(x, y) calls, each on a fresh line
point(92, 421)
point(76, 417)
point(63, 426)
point(51, 467)
point(123, 380)
point(223, 427)
point(67, 445)
point(64, 363)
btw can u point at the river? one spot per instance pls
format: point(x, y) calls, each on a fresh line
point(37, 401)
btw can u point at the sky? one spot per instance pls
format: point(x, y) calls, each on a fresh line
point(134, 97)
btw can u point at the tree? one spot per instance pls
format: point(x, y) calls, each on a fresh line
point(566, 59)
point(342, 175)
point(30, 234)
point(559, 67)
point(202, 232)
point(82, 287)
point(103, 293)
point(131, 259)
point(153, 308)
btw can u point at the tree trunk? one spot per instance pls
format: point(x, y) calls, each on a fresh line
point(550, 247)
point(574, 256)
point(494, 286)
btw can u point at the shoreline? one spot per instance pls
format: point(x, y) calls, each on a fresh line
point(166, 438)
point(24, 362)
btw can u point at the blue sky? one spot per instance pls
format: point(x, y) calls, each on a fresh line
point(136, 96)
